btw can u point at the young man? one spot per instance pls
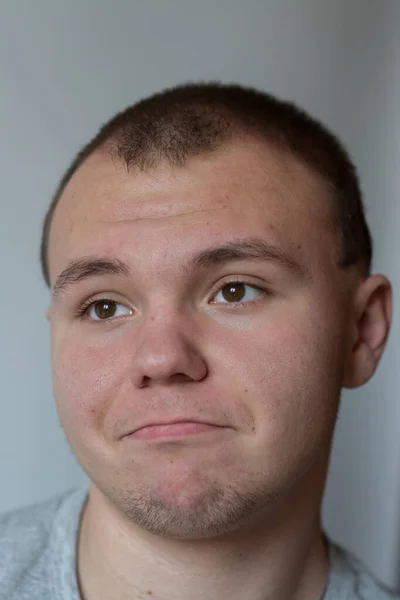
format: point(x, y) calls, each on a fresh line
point(211, 294)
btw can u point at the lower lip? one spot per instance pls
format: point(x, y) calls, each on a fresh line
point(154, 432)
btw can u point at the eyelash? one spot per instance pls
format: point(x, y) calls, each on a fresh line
point(83, 310)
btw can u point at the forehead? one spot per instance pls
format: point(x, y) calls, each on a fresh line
point(243, 189)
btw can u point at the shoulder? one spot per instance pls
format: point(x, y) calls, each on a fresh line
point(25, 539)
point(24, 532)
point(351, 578)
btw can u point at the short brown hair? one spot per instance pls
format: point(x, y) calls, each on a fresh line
point(192, 119)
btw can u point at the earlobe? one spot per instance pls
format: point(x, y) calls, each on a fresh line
point(48, 314)
point(372, 319)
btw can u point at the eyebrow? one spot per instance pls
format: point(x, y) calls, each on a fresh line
point(253, 248)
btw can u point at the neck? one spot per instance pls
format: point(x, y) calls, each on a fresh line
point(282, 557)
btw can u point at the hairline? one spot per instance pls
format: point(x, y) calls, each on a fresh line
point(108, 149)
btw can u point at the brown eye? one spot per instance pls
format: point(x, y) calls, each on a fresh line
point(238, 292)
point(103, 310)
point(233, 292)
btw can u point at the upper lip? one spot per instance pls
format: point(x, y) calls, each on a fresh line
point(173, 422)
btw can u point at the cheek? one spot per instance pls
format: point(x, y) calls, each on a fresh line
point(288, 373)
point(288, 377)
point(85, 378)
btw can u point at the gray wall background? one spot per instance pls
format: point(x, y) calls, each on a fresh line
point(65, 67)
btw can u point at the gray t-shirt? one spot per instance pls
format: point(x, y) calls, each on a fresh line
point(38, 556)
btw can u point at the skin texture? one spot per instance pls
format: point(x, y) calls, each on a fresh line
point(234, 513)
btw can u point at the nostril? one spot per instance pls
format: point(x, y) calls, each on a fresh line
point(178, 377)
point(144, 383)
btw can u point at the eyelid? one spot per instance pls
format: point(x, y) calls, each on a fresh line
point(84, 307)
point(243, 281)
point(118, 305)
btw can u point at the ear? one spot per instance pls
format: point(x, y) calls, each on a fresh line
point(48, 313)
point(370, 327)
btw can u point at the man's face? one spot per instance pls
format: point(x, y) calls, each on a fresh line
point(172, 343)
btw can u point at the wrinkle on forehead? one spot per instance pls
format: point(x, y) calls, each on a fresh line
point(166, 216)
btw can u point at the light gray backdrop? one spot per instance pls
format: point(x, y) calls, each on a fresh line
point(65, 67)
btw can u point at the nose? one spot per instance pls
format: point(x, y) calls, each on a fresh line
point(167, 352)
